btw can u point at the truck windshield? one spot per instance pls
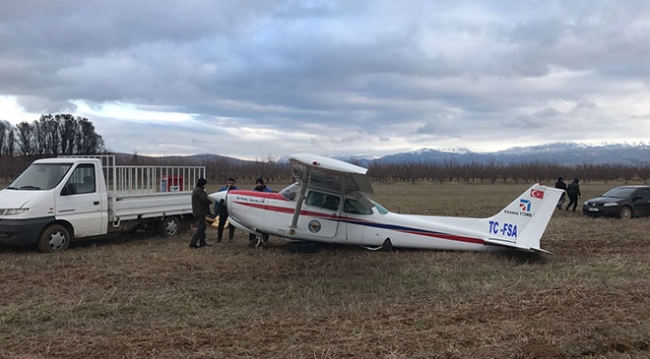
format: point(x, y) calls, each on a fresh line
point(41, 176)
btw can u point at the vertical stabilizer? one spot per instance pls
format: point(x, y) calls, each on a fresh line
point(522, 223)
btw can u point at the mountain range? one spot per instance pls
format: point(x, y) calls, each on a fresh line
point(562, 152)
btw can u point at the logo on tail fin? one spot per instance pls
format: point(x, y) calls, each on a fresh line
point(535, 193)
point(524, 204)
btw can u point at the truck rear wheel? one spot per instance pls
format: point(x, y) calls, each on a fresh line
point(170, 226)
point(55, 238)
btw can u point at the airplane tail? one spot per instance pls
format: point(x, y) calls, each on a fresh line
point(521, 224)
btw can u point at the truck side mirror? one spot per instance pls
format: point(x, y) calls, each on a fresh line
point(69, 189)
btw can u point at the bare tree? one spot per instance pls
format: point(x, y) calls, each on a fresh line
point(25, 136)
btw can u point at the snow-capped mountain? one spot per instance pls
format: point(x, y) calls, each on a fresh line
point(564, 152)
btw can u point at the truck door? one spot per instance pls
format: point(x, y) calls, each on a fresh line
point(80, 203)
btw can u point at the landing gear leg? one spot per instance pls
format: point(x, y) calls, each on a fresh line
point(259, 241)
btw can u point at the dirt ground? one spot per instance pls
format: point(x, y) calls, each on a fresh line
point(141, 296)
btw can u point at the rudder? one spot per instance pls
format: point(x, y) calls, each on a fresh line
point(522, 223)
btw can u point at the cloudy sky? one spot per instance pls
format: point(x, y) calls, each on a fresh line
point(264, 78)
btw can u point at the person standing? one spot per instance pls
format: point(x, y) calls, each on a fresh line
point(200, 208)
point(573, 191)
point(221, 210)
point(561, 185)
point(259, 187)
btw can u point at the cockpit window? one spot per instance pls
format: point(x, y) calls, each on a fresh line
point(355, 207)
point(323, 200)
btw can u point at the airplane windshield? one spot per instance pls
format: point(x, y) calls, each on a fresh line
point(380, 208)
point(290, 191)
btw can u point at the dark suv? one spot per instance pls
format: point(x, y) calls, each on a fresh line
point(623, 202)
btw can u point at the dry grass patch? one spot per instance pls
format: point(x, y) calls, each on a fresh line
point(141, 296)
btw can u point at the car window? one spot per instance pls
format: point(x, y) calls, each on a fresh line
point(619, 192)
point(644, 193)
point(82, 180)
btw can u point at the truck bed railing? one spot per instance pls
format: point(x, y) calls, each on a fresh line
point(147, 179)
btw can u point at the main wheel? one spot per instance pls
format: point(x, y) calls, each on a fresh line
point(625, 213)
point(55, 238)
point(387, 246)
point(170, 226)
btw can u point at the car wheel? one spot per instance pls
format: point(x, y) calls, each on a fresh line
point(625, 213)
point(55, 238)
point(170, 226)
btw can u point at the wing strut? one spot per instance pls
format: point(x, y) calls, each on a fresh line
point(296, 212)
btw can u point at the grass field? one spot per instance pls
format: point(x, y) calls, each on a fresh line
point(140, 296)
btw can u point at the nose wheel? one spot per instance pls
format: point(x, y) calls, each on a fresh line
point(259, 240)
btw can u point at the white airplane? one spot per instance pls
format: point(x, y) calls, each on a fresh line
point(330, 203)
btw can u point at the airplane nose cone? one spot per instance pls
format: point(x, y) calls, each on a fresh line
point(218, 196)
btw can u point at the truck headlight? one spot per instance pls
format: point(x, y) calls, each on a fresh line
point(13, 211)
point(610, 204)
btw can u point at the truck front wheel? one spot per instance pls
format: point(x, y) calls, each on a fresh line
point(170, 226)
point(55, 238)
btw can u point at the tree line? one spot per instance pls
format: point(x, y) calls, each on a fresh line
point(65, 134)
point(51, 135)
point(220, 168)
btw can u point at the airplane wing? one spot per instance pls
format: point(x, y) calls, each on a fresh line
point(329, 174)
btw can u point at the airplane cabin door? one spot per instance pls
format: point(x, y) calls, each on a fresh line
point(319, 216)
point(359, 220)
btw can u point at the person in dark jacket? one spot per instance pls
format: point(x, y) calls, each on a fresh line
point(259, 187)
point(561, 185)
point(221, 210)
point(200, 208)
point(573, 191)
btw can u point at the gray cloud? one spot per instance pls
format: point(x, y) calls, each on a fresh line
point(326, 77)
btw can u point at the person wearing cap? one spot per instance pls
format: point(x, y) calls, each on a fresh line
point(259, 187)
point(221, 211)
point(200, 208)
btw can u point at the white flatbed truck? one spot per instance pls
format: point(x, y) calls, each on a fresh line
point(57, 200)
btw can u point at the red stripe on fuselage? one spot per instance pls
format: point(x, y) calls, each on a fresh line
point(269, 195)
point(450, 237)
point(267, 207)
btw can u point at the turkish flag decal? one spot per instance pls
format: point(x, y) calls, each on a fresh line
point(535, 193)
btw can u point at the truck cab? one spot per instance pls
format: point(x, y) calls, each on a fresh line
point(66, 196)
point(56, 200)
